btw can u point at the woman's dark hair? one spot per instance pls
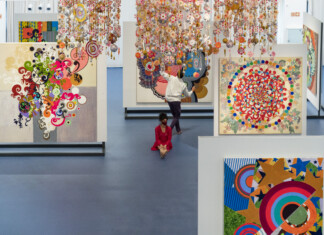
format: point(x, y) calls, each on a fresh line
point(180, 73)
point(162, 116)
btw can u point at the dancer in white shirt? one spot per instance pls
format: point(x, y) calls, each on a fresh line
point(176, 87)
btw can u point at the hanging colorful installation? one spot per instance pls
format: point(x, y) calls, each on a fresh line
point(49, 87)
point(273, 196)
point(245, 23)
point(311, 40)
point(38, 31)
point(170, 29)
point(93, 22)
point(196, 75)
point(260, 96)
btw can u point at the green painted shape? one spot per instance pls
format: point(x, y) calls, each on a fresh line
point(232, 221)
point(298, 217)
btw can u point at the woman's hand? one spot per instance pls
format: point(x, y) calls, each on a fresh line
point(193, 88)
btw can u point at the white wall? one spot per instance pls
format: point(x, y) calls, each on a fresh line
point(21, 6)
point(318, 12)
point(3, 22)
point(318, 9)
point(294, 22)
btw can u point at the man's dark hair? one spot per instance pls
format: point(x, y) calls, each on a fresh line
point(180, 73)
point(162, 116)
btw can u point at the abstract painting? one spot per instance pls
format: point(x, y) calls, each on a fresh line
point(273, 196)
point(311, 40)
point(260, 96)
point(46, 88)
point(38, 31)
point(196, 74)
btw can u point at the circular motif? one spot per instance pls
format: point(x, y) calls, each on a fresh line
point(59, 112)
point(56, 91)
point(248, 229)
point(46, 135)
point(75, 90)
point(301, 220)
point(294, 213)
point(80, 13)
point(58, 74)
point(82, 100)
point(76, 79)
point(36, 95)
point(93, 49)
point(24, 107)
point(281, 202)
point(243, 180)
point(113, 48)
point(149, 66)
point(257, 95)
point(196, 75)
point(70, 105)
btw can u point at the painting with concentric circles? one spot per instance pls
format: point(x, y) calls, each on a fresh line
point(273, 196)
point(260, 96)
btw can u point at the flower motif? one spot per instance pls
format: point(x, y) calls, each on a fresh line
point(173, 19)
point(273, 54)
point(150, 66)
point(162, 48)
point(163, 16)
point(151, 54)
point(241, 50)
point(250, 54)
point(180, 16)
point(172, 49)
point(173, 34)
point(263, 50)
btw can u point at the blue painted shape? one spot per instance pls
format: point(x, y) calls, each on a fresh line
point(232, 198)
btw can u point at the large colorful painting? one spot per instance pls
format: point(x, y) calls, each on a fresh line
point(311, 40)
point(260, 96)
point(48, 94)
point(196, 74)
point(273, 196)
point(38, 31)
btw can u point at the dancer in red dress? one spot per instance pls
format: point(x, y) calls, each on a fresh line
point(163, 135)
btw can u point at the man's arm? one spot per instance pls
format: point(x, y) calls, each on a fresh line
point(166, 76)
point(188, 93)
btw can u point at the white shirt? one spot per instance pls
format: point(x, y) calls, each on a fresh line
point(176, 87)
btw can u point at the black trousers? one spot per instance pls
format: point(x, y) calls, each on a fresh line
point(175, 108)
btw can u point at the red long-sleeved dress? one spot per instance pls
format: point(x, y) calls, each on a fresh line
point(162, 138)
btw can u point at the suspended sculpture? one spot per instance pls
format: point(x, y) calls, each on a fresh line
point(169, 29)
point(245, 23)
point(91, 22)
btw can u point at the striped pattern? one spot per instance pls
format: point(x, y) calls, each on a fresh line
point(237, 163)
point(232, 198)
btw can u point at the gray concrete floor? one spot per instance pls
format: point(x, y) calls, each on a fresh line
point(130, 191)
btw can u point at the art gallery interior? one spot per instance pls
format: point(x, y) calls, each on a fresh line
point(82, 85)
